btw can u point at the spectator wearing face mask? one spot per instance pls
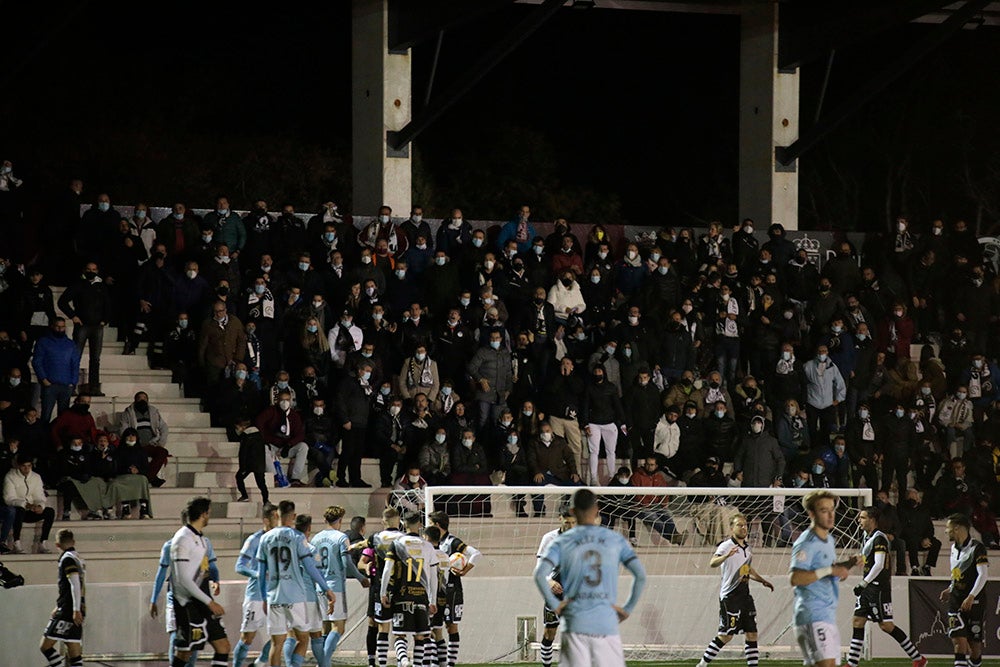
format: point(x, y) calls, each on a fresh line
point(791, 430)
point(630, 272)
point(823, 306)
point(550, 461)
point(837, 463)
point(955, 414)
point(321, 436)
point(971, 306)
point(518, 229)
point(221, 345)
point(468, 462)
point(353, 407)
point(684, 390)
point(825, 390)
point(604, 416)
point(899, 441)
point(490, 369)
point(344, 337)
point(434, 458)
point(419, 374)
point(392, 429)
point(982, 378)
point(284, 432)
point(152, 431)
point(865, 447)
point(643, 410)
point(132, 475)
point(917, 531)
point(180, 351)
point(410, 486)
point(238, 399)
point(77, 422)
point(252, 459)
point(759, 457)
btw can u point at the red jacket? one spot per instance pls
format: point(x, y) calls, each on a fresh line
point(563, 262)
point(270, 422)
point(73, 424)
point(904, 336)
point(657, 479)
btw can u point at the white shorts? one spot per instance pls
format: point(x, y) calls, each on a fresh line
point(339, 607)
point(315, 611)
point(579, 650)
point(170, 617)
point(818, 641)
point(254, 618)
point(283, 618)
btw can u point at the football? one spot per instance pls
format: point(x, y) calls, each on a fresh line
point(458, 561)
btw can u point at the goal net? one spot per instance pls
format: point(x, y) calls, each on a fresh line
point(674, 531)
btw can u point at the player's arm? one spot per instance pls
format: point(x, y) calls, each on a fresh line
point(388, 573)
point(803, 577)
point(761, 580)
point(982, 573)
point(76, 591)
point(349, 566)
point(720, 558)
point(638, 584)
point(877, 566)
point(543, 569)
point(431, 572)
point(472, 555)
point(245, 564)
point(161, 578)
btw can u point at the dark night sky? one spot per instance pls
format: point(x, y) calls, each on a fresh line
point(639, 104)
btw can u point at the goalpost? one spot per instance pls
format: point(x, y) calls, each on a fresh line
point(674, 531)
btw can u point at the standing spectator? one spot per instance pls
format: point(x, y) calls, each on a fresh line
point(838, 463)
point(643, 408)
point(566, 298)
point(252, 459)
point(344, 338)
point(87, 303)
point(221, 345)
point(918, 533)
point(382, 228)
point(972, 305)
point(152, 431)
point(24, 500)
point(825, 390)
point(180, 348)
point(391, 431)
point(238, 399)
point(567, 259)
point(35, 308)
point(720, 432)
point(550, 462)
point(728, 330)
point(228, 226)
point(57, 367)
point(353, 408)
point(895, 334)
point(955, 415)
point(864, 446)
point(178, 232)
point(490, 369)
point(604, 416)
point(759, 457)
point(518, 229)
point(654, 511)
point(419, 374)
point(899, 440)
point(791, 430)
point(468, 462)
point(983, 381)
point(565, 393)
point(454, 235)
point(284, 431)
point(97, 227)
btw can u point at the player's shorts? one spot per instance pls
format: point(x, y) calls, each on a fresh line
point(283, 618)
point(549, 618)
point(196, 626)
point(254, 618)
point(437, 620)
point(967, 624)
point(315, 612)
point(818, 641)
point(169, 617)
point(737, 614)
point(456, 603)
point(339, 607)
point(375, 610)
point(577, 650)
point(62, 628)
point(410, 618)
point(874, 604)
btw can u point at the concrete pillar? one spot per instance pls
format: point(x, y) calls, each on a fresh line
point(381, 101)
point(769, 117)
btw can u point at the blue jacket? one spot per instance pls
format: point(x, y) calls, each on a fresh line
point(57, 360)
point(509, 232)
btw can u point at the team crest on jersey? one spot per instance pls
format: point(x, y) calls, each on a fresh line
point(802, 557)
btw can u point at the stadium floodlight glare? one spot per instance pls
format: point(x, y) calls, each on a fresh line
point(674, 530)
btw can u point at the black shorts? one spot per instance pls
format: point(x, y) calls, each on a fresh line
point(453, 610)
point(967, 624)
point(62, 628)
point(375, 610)
point(410, 618)
point(737, 614)
point(874, 604)
point(196, 626)
point(549, 618)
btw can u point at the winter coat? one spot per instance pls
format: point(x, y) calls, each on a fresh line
point(57, 360)
point(760, 460)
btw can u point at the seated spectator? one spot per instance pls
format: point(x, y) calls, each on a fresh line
point(9, 451)
point(15, 393)
point(77, 485)
point(283, 430)
point(468, 462)
point(132, 480)
point(35, 441)
point(409, 490)
point(152, 431)
point(434, 458)
point(837, 463)
point(957, 492)
point(24, 502)
point(419, 374)
point(311, 385)
point(446, 399)
point(711, 519)
point(917, 531)
point(252, 459)
point(77, 422)
point(955, 414)
point(103, 467)
point(792, 432)
point(550, 462)
point(653, 511)
point(322, 441)
point(282, 384)
point(889, 523)
point(566, 297)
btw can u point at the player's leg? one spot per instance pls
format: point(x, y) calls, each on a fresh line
point(74, 654)
point(220, 643)
point(857, 635)
point(610, 433)
point(594, 448)
point(546, 650)
point(975, 654)
point(333, 634)
point(372, 641)
point(961, 646)
point(751, 650)
point(418, 650)
point(713, 649)
point(454, 639)
point(317, 644)
point(904, 642)
point(48, 649)
point(402, 646)
point(242, 646)
point(288, 648)
point(277, 644)
point(382, 644)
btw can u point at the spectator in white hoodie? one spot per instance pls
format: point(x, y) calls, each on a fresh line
point(24, 497)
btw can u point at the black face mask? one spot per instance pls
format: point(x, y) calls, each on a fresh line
point(141, 406)
point(222, 291)
point(566, 282)
point(713, 385)
point(686, 382)
point(598, 379)
point(89, 275)
point(539, 301)
point(81, 408)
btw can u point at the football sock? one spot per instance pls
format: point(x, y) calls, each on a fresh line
point(430, 652)
point(240, 653)
point(297, 660)
point(382, 649)
point(546, 652)
point(318, 646)
point(401, 647)
point(220, 660)
point(76, 662)
point(960, 660)
point(265, 653)
point(442, 652)
point(712, 650)
point(193, 660)
point(905, 643)
point(372, 644)
point(52, 655)
point(857, 643)
point(752, 653)
point(288, 650)
point(452, 649)
point(974, 662)
point(418, 652)
point(329, 646)
point(170, 647)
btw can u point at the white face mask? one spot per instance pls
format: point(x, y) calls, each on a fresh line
point(786, 355)
point(395, 410)
point(440, 438)
point(863, 414)
point(191, 275)
point(285, 405)
point(413, 478)
point(622, 479)
point(546, 436)
point(756, 427)
point(383, 219)
point(960, 395)
point(633, 319)
point(318, 411)
point(366, 259)
point(467, 443)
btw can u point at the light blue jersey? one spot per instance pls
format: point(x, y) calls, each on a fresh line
point(816, 602)
point(588, 558)
point(283, 568)
point(246, 565)
point(310, 590)
point(331, 549)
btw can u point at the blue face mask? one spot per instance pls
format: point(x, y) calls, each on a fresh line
point(817, 470)
point(446, 391)
point(312, 328)
point(207, 238)
point(367, 375)
point(282, 384)
point(440, 260)
point(303, 266)
point(663, 270)
point(329, 237)
point(259, 289)
point(538, 249)
point(141, 215)
point(385, 391)
point(103, 206)
point(899, 413)
point(178, 216)
point(183, 324)
point(495, 344)
point(223, 212)
point(241, 375)
point(478, 242)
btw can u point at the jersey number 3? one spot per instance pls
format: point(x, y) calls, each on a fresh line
point(593, 564)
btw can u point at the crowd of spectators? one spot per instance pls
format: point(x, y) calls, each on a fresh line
point(470, 356)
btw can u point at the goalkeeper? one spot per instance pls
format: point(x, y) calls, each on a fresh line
point(737, 612)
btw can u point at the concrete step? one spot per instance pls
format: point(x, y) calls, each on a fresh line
point(106, 413)
point(132, 362)
point(135, 536)
point(185, 450)
point(137, 377)
point(123, 389)
point(110, 333)
point(199, 434)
